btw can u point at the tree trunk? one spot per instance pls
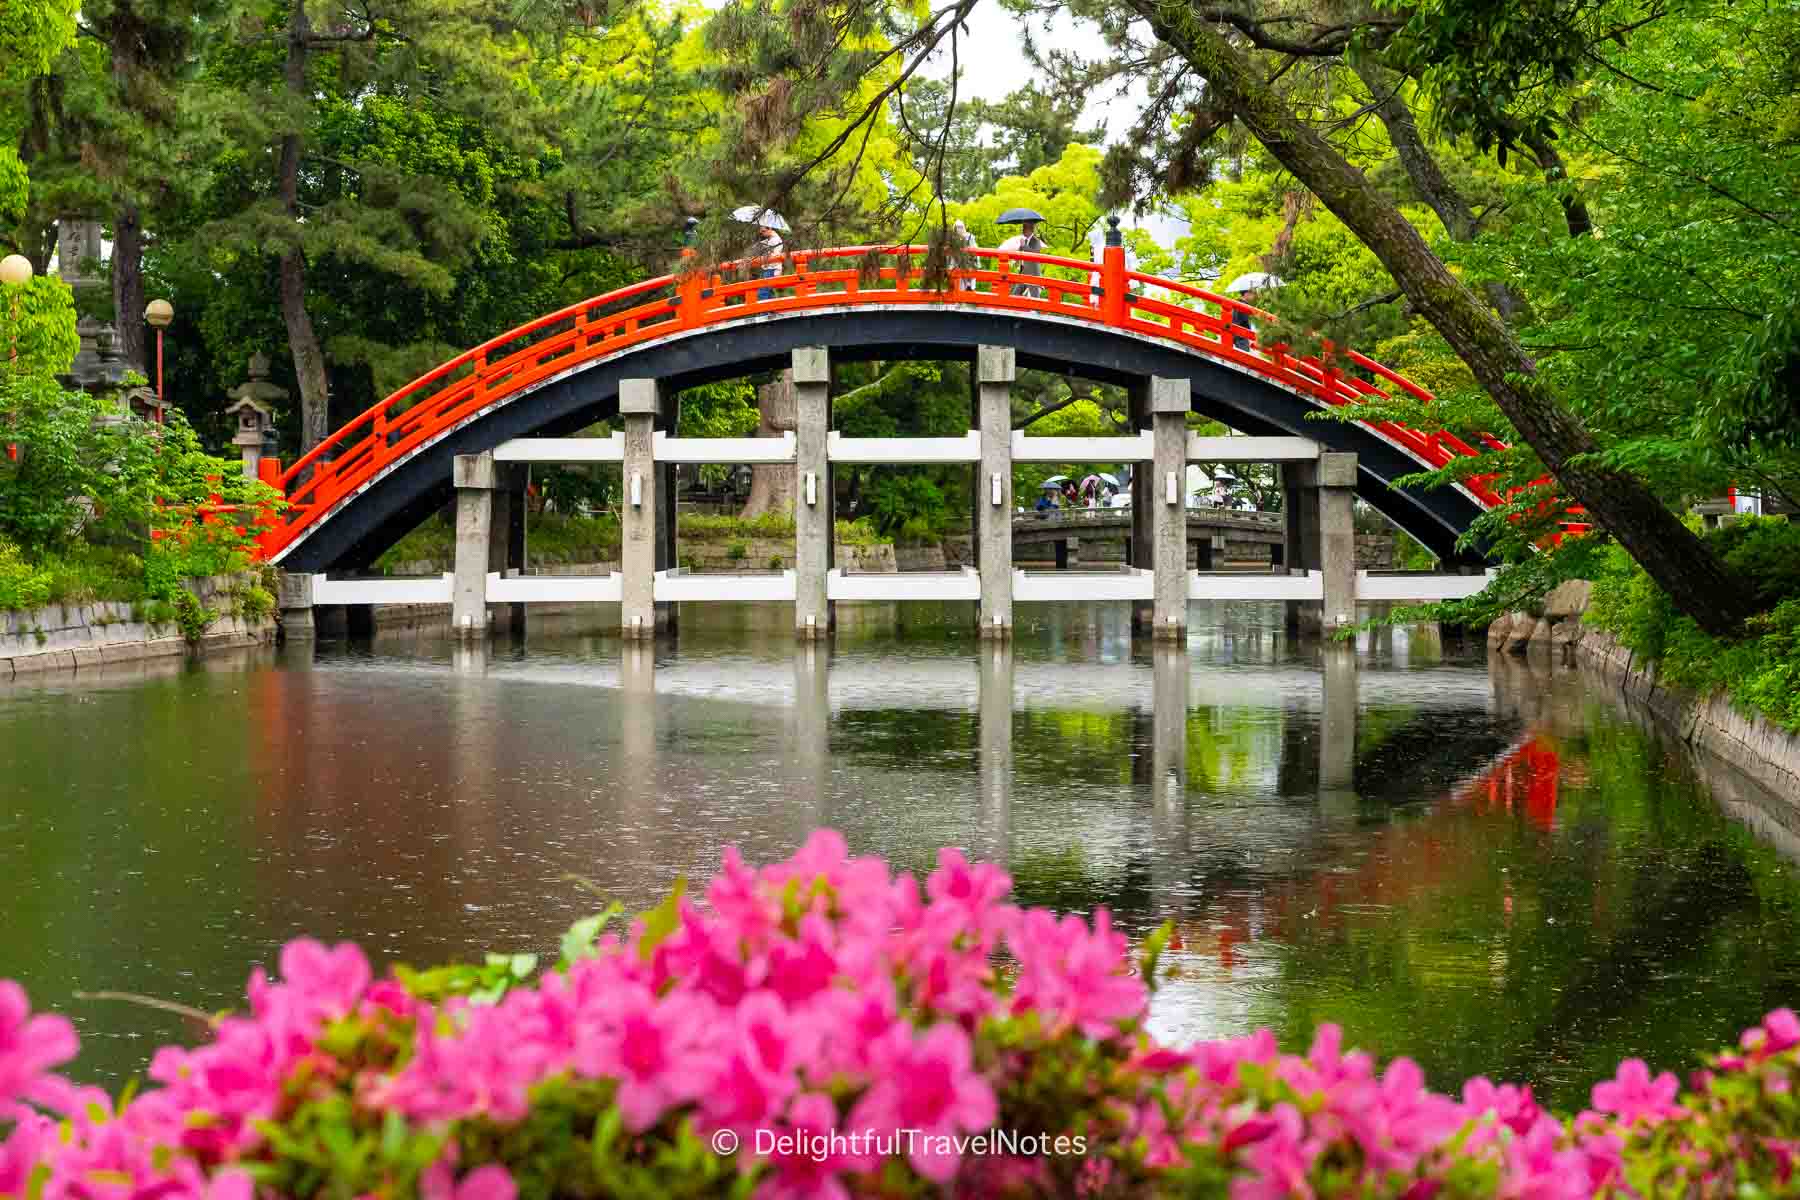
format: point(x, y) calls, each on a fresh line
point(128, 290)
point(772, 484)
point(127, 46)
point(1575, 213)
point(1694, 578)
point(303, 341)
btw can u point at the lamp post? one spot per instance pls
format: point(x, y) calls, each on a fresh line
point(15, 273)
point(159, 313)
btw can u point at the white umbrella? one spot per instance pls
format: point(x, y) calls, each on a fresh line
point(1110, 480)
point(751, 214)
point(1054, 480)
point(1255, 281)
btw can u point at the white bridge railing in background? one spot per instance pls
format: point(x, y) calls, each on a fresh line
point(681, 585)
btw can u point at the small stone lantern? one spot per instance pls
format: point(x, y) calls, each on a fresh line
point(254, 415)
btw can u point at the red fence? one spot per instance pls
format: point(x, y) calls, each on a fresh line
point(1103, 293)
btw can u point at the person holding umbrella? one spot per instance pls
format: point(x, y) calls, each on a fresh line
point(768, 245)
point(1026, 241)
point(1247, 286)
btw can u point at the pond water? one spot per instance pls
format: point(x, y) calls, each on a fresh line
point(1486, 868)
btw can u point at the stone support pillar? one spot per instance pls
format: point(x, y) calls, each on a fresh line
point(1337, 539)
point(296, 603)
point(1170, 401)
point(475, 477)
point(641, 534)
point(993, 490)
point(813, 526)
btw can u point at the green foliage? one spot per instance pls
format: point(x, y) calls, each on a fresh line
point(37, 321)
point(22, 584)
point(33, 31)
point(192, 617)
point(702, 527)
point(737, 550)
point(1761, 670)
point(905, 504)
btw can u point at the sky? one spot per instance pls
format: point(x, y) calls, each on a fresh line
point(994, 65)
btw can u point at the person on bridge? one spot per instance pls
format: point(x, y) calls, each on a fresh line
point(1046, 501)
point(1026, 241)
point(768, 246)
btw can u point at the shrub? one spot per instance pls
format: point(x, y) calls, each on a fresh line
point(738, 550)
point(22, 585)
point(899, 502)
point(863, 1020)
point(1761, 669)
point(858, 533)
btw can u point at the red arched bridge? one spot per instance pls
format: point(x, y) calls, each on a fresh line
point(378, 475)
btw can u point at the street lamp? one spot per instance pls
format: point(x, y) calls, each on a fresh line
point(15, 273)
point(159, 313)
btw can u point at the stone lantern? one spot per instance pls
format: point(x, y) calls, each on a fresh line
point(254, 415)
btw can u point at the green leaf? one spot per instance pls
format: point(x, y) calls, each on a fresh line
point(662, 920)
point(578, 941)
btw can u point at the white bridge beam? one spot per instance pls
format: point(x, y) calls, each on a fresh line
point(1135, 448)
point(964, 449)
point(679, 585)
point(429, 590)
point(1255, 585)
point(1251, 449)
point(562, 450)
point(724, 450)
point(1418, 589)
point(554, 589)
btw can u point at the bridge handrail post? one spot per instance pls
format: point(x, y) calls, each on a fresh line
point(1114, 287)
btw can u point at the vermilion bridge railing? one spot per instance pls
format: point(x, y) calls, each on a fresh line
point(1103, 293)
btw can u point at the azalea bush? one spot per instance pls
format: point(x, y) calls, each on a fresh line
point(824, 1028)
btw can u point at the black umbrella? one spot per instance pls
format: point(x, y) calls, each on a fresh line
point(1013, 216)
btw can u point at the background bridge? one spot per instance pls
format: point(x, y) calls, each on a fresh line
point(625, 357)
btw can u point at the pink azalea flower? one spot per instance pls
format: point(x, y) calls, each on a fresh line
point(928, 1084)
point(1279, 1157)
point(761, 1067)
point(658, 1051)
point(491, 1182)
point(29, 1047)
point(1074, 977)
point(1633, 1096)
point(809, 1170)
point(977, 890)
point(1536, 1166)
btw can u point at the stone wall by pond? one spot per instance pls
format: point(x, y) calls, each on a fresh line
point(73, 637)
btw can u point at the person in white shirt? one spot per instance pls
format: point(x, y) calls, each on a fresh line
point(1028, 241)
point(768, 246)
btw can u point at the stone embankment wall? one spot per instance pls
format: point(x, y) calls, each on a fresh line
point(75, 637)
point(1750, 742)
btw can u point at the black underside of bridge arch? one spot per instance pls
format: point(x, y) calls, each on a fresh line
point(358, 533)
